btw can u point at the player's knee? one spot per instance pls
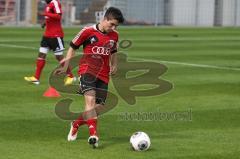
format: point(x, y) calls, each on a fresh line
point(42, 55)
point(59, 57)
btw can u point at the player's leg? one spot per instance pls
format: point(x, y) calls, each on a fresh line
point(100, 98)
point(40, 62)
point(101, 92)
point(74, 126)
point(72, 135)
point(96, 97)
point(70, 77)
point(86, 84)
point(91, 116)
point(57, 46)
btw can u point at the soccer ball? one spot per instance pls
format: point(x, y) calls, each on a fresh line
point(140, 141)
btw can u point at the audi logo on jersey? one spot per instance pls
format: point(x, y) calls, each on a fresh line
point(104, 50)
point(101, 50)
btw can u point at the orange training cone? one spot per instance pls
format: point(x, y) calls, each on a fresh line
point(51, 92)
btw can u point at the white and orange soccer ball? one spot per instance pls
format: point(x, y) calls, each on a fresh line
point(140, 141)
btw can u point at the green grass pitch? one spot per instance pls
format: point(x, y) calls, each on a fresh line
point(203, 65)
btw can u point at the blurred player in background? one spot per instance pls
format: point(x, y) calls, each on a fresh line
point(51, 40)
point(99, 60)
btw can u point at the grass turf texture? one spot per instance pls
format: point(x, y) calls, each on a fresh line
point(29, 127)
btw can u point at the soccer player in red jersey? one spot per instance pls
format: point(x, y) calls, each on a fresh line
point(99, 60)
point(51, 40)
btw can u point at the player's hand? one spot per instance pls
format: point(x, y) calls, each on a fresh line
point(113, 70)
point(60, 70)
point(43, 25)
point(41, 13)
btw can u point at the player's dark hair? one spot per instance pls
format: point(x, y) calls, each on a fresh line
point(48, 1)
point(114, 13)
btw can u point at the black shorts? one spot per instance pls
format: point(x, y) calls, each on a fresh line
point(55, 44)
point(90, 82)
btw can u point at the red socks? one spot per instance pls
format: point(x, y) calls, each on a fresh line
point(80, 121)
point(40, 63)
point(69, 72)
point(92, 125)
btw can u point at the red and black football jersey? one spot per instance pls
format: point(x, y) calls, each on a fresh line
point(97, 50)
point(53, 25)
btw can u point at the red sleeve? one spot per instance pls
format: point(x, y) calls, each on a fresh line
point(54, 10)
point(56, 7)
point(80, 38)
point(53, 15)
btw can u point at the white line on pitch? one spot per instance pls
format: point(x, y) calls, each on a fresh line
point(157, 61)
point(189, 64)
point(17, 46)
point(158, 39)
point(18, 40)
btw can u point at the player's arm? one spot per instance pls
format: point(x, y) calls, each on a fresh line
point(113, 58)
point(51, 15)
point(113, 64)
point(65, 61)
point(74, 45)
point(43, 25)
point(56, 16)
